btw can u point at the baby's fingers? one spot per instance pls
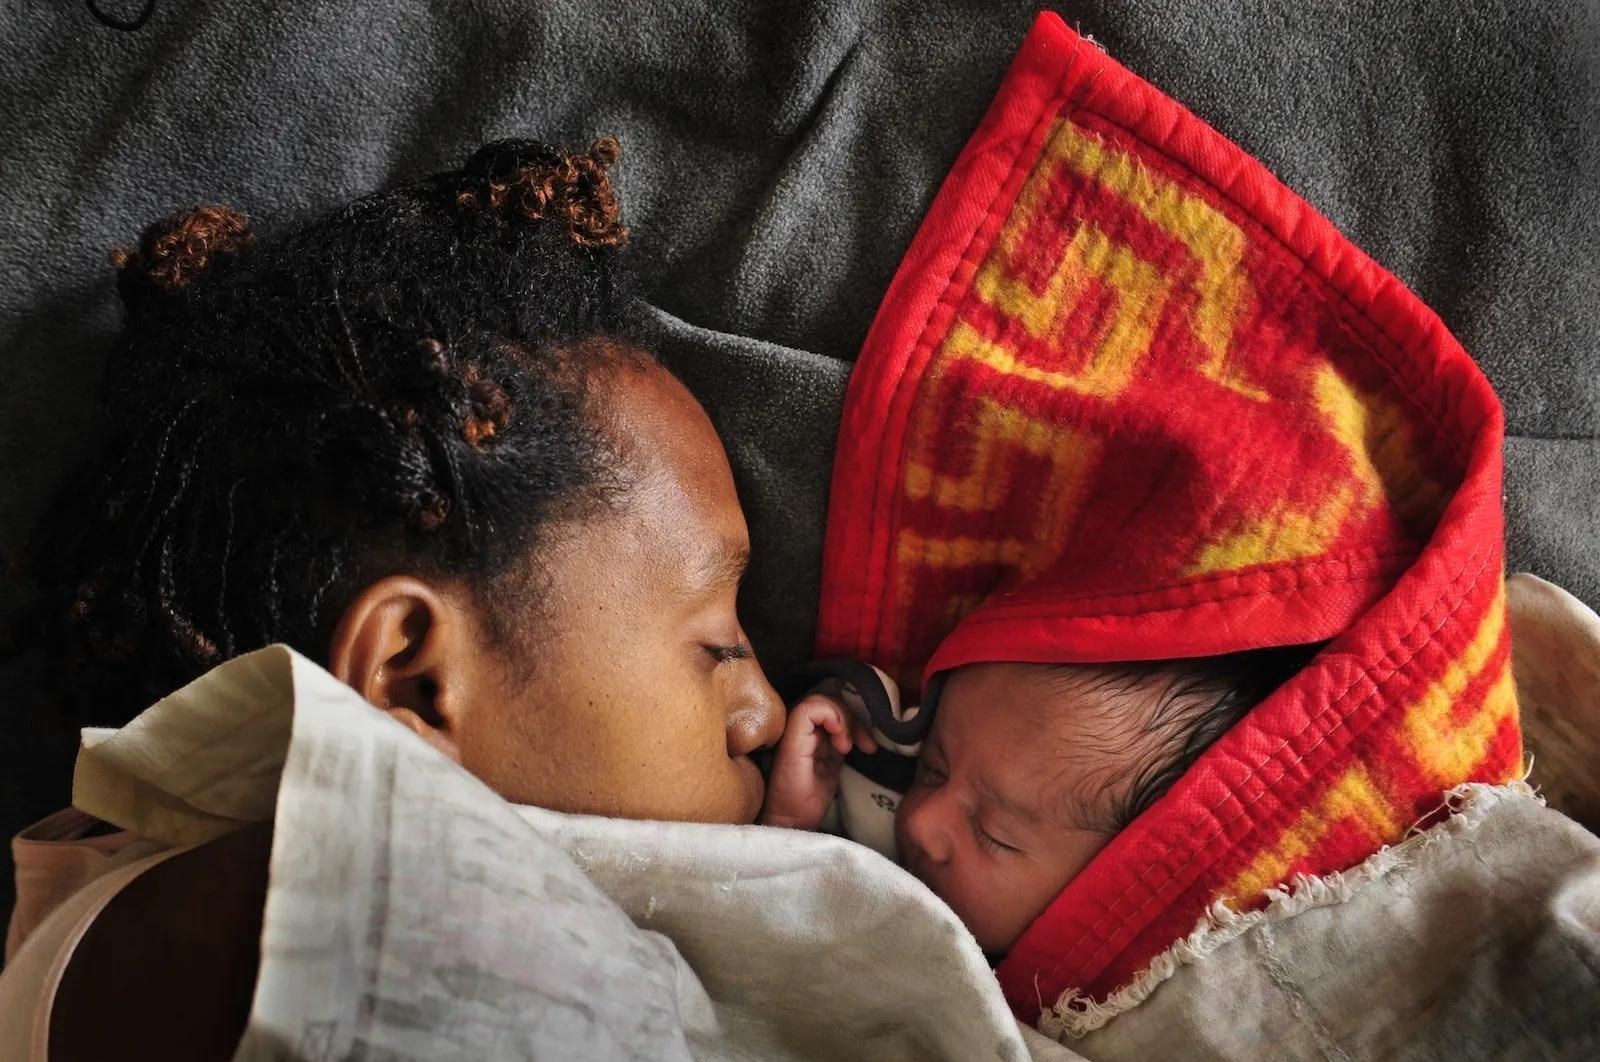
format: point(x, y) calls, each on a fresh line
point(845, 731)
point(838, 729)
point(825, 714)
point(861, 734)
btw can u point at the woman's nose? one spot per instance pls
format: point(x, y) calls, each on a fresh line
point(757, 718)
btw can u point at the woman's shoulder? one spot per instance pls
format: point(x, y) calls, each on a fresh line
point(156, 959)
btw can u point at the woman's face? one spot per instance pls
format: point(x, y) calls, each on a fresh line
point(642, 698)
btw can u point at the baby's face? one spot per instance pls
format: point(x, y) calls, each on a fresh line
point(1000, 816)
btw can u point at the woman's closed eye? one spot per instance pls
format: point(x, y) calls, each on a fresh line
point(723, 654)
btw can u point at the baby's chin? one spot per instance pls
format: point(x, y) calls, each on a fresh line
point(993, 943)
point(994, 935)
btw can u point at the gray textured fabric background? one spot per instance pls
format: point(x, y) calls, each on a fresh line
point(778, 158)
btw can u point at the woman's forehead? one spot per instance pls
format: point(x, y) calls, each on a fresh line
point(679, 514)
point(660, 427)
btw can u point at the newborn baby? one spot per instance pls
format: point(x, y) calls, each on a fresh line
point(1028, 770)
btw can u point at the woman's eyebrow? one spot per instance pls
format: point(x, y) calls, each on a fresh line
point(724, 565)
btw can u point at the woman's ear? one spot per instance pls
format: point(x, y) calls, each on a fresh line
point(405, 646)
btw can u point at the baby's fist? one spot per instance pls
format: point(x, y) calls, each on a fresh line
point(805, 768)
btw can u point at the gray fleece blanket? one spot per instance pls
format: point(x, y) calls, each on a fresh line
point(778, 158)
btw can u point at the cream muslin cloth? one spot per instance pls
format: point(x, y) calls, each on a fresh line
point(413, 914)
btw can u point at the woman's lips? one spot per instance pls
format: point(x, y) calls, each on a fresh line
point(755, 787)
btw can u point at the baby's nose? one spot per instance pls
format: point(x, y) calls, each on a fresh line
point(925, 843)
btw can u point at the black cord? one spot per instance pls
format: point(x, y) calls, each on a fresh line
point(127, 25)
point(798, 680)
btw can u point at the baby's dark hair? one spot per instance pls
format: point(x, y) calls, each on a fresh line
point(1181, 706)
point(399, 385)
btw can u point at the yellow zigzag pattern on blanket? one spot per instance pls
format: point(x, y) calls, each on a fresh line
point(1106, 272)
point(1141, 290)
point(1213, 240)
point(1429, 721)
point(1377, 437)
point(997, 432)
point(1353, 796)
point(1444, 750)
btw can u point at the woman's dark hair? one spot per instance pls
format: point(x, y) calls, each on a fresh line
point(397, 385)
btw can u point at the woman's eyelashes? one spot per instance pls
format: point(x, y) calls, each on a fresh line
point(723, 654)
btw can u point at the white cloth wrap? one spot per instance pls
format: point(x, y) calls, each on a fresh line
point(413, 914)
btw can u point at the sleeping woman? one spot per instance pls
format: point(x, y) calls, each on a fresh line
point(410, 439)
point(407, 439)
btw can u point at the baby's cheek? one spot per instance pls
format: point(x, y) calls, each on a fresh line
point(1009, 904)
point(988, 920)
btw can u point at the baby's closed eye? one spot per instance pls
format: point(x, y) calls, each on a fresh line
point(986, 840)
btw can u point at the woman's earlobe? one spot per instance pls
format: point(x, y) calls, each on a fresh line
point(395, 646)
point(441, 738)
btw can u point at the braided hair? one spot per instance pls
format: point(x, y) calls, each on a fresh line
point(398, 385)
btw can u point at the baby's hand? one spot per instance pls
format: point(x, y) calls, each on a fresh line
point(805, 768)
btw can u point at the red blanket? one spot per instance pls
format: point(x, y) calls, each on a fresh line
point(1131, 398)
